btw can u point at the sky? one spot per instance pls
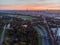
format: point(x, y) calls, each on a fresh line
point(29, 4)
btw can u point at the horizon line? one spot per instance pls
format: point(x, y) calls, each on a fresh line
point(31, 9)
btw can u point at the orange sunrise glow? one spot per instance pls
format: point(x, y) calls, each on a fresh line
point(28, 7)
point(39, 6)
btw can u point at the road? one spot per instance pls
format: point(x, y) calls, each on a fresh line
point(43, 34)
point(2, 35)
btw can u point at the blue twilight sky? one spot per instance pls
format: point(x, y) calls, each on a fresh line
point(56, 2)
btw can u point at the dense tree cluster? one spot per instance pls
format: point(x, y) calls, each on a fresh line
point(20, 33)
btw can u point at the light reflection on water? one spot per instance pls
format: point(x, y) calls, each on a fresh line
point(55, 29)
point(58, 32)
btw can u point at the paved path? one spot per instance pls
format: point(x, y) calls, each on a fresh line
point(43, 33)
point(2, 36)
